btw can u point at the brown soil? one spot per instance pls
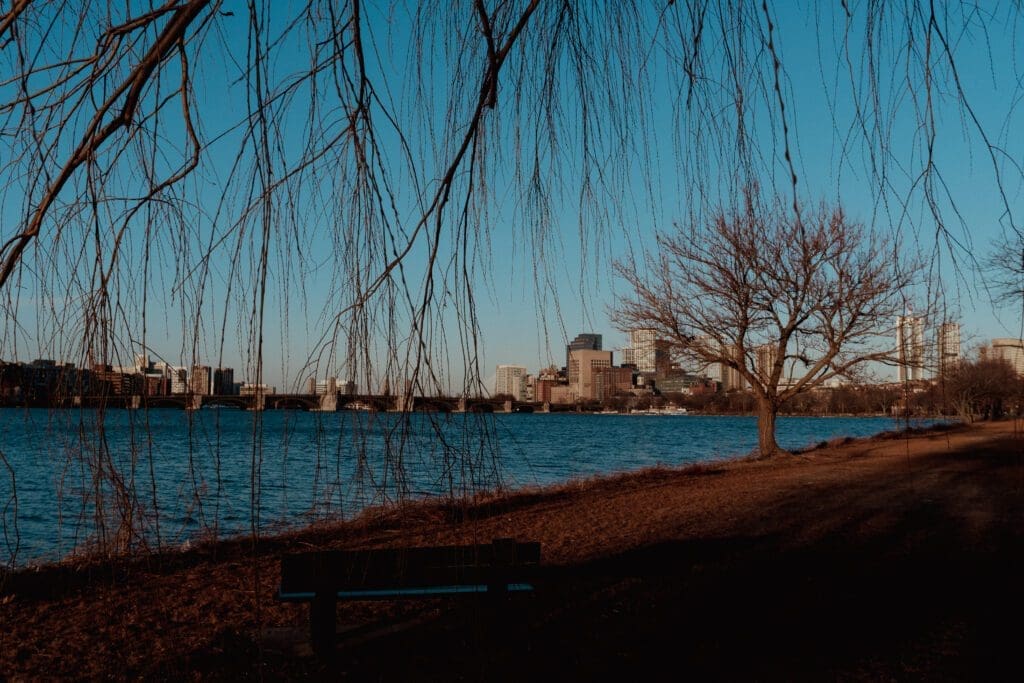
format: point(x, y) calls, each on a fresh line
point(893, 558)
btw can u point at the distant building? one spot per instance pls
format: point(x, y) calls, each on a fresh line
point(609, 381)
point(585, 341)
point(646, 352)
point(321, 387)
point(109, 380)
point(684, 383)
point(561, 394)
point(582, 366)
point(543, 388)
point(1010, 350)
point(947, 347)
point(511, 380)
point(201, 380)
point(179, 379)
point(224, 381)
point(248, 389)
point(765, 356)
point(910, 348)
point(155, 384)
point(727, 377)
point(730, 377)
point(529, 387)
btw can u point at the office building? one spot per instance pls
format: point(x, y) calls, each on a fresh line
point(646, 352)
point(947, 347)
point(585, 341)
point(582, 365)
point(321, 387)
point(765, 356)
point(179, 379)
point(224, 381)
point(250, 389)
point(511, 380)
point(910, 348)
point(610, 381)
point(201, 380)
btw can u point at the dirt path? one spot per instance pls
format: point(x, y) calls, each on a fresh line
point(884, 559)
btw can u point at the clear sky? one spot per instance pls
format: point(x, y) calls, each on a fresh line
point(540, 259)
point(833, 165)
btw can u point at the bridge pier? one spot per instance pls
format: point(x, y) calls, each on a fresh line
point(506, 407)
point(461, 406)
point(545, 407)
point(194, 402)
point(328, 402)
point(134, 402)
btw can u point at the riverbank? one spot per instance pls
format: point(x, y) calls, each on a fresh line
point(882, 558)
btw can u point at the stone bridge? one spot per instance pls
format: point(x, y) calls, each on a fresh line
point(319, 403)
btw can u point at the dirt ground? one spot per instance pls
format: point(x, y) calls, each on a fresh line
point(887, 559)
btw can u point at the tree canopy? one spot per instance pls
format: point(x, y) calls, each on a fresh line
point(789, 299)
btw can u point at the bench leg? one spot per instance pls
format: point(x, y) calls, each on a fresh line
point(323, 615)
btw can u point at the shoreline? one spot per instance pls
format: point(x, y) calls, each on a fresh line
point(608, 542)
point(285, 529)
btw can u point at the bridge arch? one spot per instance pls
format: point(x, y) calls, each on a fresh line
point(292, 403)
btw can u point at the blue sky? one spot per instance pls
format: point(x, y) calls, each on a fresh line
point(527, 307)
point(822, 110)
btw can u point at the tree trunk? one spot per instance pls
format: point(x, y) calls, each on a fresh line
point(766, 444)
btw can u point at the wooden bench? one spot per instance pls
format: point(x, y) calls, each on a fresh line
point(492, 570)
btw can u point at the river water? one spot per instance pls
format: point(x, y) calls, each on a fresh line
point(74, 480)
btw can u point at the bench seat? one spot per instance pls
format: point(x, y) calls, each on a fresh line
point(323, 578)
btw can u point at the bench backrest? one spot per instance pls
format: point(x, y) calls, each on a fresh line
point(504, 560)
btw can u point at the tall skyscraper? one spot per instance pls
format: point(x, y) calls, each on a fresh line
point(511, 379)
point(947, 347)
point(646, 352)
point(585, 341)
point(910, 348)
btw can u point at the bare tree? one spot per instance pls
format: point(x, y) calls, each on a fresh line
point(1006, 271)
point(788, 300)
point(983, 388)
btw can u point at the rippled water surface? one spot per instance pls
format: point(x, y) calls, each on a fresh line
point(75, 479)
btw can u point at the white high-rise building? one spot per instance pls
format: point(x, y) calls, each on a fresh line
point(910, 348)
point(947, 346)
point(646, 351)
point(511, 379)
